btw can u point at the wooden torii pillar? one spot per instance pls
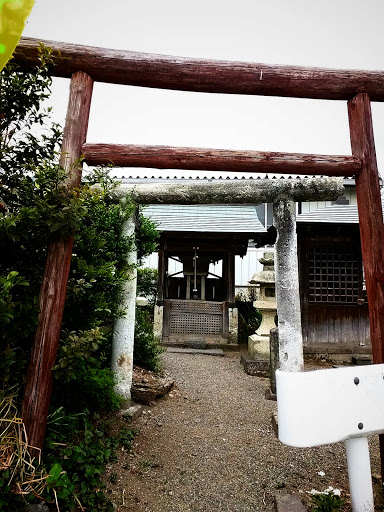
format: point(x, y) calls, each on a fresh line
point(38, 385)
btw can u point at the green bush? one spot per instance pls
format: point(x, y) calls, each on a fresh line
point(146, 236)
point(81, 364)
point(83, 447)
point(13, 360)
point(147, 283)
point(99, 266)
point(249, 316)
point(146, 349)
point(9, 502)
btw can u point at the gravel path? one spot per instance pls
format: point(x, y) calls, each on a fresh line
point(209, 446)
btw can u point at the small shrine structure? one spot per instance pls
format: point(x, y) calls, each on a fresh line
point(194, 305)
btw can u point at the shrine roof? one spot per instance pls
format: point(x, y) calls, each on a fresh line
point(205, 218)
point(335, 214)
point(178, 176)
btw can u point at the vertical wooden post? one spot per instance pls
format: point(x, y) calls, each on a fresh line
point(231, 278)
point(370, 222)
point(202, 297)
point(370, 217)
point(161, 275)
point(38, 386)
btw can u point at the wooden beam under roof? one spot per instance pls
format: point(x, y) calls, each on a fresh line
point(201, 75)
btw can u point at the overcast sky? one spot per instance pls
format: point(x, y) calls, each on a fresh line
point(330, 33)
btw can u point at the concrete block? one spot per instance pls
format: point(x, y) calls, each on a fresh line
point(288, 503)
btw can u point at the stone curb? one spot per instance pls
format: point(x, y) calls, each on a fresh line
point(255, 367)
point(206, 352)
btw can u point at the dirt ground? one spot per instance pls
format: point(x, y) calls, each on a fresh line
point(209, 446)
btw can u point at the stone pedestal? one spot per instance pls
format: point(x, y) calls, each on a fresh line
point(268, 311)
point(258, 347)
point(257, 362)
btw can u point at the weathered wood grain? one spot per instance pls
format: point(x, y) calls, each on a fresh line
point(187, 74)
point(38, 386)
point(370, 217)
point(167, 157)
point(76, 126)
point(37, 393)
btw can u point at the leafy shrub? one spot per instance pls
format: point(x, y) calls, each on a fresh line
point(146, 236)
point(83, 447)
point(75, 353)
point(147, 283)
point(7, 305)
point(12, 364)
point(146, 349)
point(249, 316)
point(8, 501)
point(82, 365)
point(99, 265)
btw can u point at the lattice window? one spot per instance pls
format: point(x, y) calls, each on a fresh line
point(196, 307)
point(334, 275)
point(183, 323)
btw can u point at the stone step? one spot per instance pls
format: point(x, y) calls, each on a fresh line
point(199, 351)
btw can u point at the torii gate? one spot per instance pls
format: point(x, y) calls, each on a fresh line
point(84, 65)
point(283, 195)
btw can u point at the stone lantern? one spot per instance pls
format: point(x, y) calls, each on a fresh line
point(258, 344)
